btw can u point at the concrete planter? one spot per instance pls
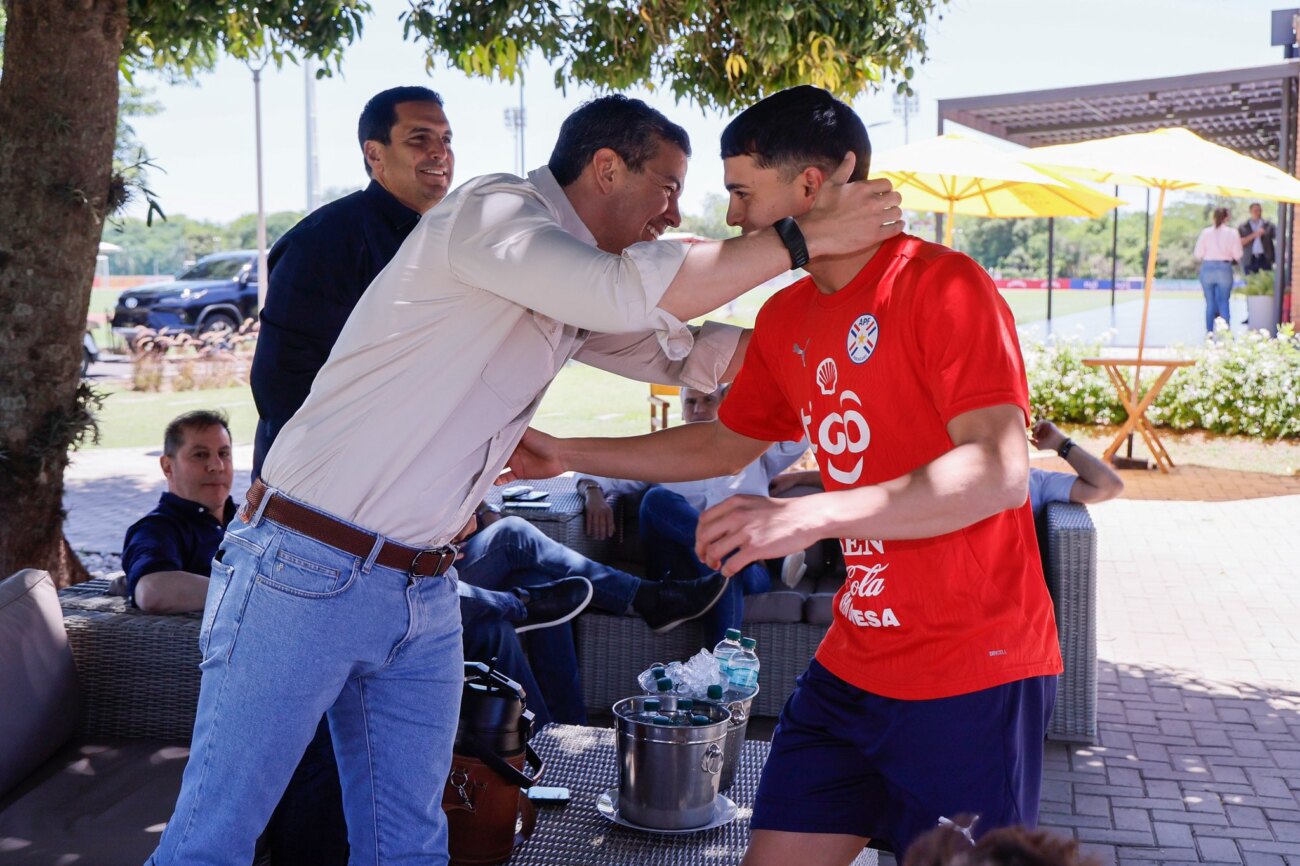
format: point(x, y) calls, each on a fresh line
point(1259, 312)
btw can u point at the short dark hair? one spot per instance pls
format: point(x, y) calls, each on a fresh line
point(629, 127)
point(798, 127)
point(199, 419)
point(380, 114)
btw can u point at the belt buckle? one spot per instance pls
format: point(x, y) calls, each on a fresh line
point(446, 556)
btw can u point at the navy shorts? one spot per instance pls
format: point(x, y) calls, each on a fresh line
point(844, 760)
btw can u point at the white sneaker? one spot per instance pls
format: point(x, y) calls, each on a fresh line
point(793, 569)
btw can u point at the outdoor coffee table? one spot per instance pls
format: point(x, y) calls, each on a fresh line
point(1137, 409)
point(585, 760)
point(563, 520)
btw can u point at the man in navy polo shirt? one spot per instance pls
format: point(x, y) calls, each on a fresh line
point(167, 554)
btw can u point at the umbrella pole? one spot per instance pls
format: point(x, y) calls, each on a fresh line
point(1051, 250)
point(1114, 253)
point(947, 225)
point(1146, 289)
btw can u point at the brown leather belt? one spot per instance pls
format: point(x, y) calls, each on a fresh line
point(431, 562)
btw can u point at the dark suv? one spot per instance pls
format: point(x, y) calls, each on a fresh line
point(219, 291)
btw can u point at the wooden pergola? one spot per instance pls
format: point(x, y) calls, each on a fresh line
point(1252, 111)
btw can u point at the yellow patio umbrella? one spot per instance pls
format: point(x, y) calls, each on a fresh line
point(1165, 159)
point(953, 174)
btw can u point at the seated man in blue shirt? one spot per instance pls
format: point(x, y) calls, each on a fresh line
point(670, 512)
point(1095, 481)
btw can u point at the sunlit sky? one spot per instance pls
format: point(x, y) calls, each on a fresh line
point(204, 138)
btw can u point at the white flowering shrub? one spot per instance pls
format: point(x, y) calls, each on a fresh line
point(1245, 384)
point(1241, 384)
point(1063, 389)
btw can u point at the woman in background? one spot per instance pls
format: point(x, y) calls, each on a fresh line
point(1216, 249)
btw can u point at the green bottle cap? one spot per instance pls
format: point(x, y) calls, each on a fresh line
point(651, 705)
point(685, 704)
point(664, 684)
point(732, 634)
point(662, 720)
point(658, 673)
point(698, 720)
point(715, 692)
point(748, 642)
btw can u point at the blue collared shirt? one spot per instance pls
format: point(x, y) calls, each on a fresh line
point(178, 535)
point(317, 272)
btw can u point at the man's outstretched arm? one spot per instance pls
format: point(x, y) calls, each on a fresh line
point(686, 453)
point(985, 473)
point(171, 592)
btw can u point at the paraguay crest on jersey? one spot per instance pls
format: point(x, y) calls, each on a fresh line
point(863, 334)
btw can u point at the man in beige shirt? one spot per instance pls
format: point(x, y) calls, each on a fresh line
point(333, 592)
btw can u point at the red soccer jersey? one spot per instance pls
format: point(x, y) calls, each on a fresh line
point(873, 374)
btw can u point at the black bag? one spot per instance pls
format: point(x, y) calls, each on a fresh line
point(484, 798)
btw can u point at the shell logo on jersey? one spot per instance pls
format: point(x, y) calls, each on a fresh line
point(840, 433)
point(863, 334)
point(827, 376)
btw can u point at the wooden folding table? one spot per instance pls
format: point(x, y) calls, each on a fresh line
point(1137, 408)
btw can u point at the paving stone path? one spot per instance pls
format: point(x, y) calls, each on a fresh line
point(1199, 640)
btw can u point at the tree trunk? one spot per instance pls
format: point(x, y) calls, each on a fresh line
point(58, 115)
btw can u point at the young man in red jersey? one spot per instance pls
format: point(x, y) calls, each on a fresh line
point(930, 694)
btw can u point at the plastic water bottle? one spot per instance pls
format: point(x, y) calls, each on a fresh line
point(651, 714)
point(744, 666)
point(726, 648)
point(648, 678)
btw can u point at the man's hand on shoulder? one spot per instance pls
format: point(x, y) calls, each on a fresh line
point(851, 217)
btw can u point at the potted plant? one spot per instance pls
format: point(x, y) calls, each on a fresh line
point(1259, 301)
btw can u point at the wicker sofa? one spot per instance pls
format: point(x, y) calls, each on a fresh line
point(789, 624)
point(79, 782)
point(140, 672)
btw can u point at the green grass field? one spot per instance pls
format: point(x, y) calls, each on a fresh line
point(135, 419)
point(582, 400)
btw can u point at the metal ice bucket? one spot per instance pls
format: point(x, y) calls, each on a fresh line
point(735, 738)
point(668, 776)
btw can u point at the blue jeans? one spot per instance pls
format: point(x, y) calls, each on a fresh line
point(668, 524)
point(293, 629)
point(309, 827)
point(1216, 283)
point(513, 552)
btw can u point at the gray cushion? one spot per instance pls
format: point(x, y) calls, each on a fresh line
point(775, 606)
point(104, 803)
point(818, 608)
point(37, 676)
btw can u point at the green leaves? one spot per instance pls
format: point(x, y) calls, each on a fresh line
point(187, 36)
point(723, 54)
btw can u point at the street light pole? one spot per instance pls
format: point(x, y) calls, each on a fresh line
point(313, 160)
point(261, 211)
point(905, 107)
point(516, 121)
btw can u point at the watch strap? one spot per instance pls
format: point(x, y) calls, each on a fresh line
point(794, 241)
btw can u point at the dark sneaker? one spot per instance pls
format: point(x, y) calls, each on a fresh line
point(553, 603)
point(679, 601)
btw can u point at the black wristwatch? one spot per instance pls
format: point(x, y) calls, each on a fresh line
point(793, 239)
point(1066, 447)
